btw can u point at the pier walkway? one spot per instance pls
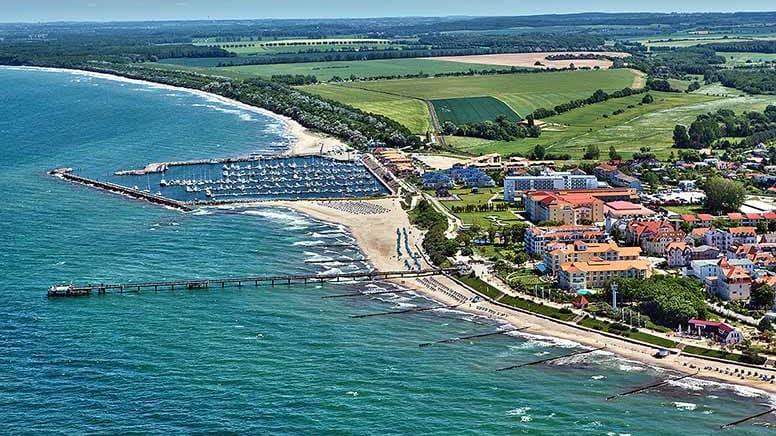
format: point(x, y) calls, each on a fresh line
point(85, 290)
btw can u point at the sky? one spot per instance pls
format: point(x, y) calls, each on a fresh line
point(125, 10)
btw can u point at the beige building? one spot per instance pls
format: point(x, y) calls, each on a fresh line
point(581, 251)
point(599, 273)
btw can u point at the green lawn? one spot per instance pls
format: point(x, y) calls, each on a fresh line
point(472, 110)
point(519, 303)
point(409, 112)
point(479, 218)
point(598, 324)
point(324, 71)
point(523, 92)
point(690, 208)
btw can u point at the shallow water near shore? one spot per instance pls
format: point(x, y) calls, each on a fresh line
point(268, 360)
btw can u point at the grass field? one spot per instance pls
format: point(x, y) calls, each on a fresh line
point(479, 198)
point(522, 92)
point(641, 125)
point(409, 112)
point(687, 40)
point(737, 59)
point(324, 71)
point(472, 110)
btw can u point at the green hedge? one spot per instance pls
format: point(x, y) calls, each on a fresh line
point(627, 332)
point(490, 291)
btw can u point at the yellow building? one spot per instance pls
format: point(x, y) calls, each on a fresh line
point(598, 273)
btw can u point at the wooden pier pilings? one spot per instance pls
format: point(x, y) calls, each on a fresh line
point(85, 290)
point(650, 386)
point(549, 359)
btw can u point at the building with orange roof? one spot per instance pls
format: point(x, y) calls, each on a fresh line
point(698, 233)
point(734, 283)
point(570, 208)
point(396, 161)
point(581, 251)
point(653, 236)
point(599, 273)
point(538, 238)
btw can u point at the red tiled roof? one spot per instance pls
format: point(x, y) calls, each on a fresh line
point(769, 215)
point(690, 218)
point(753, 216)
point(735, 216)
point(708, 217)
point(741, 230)
point(703, 322)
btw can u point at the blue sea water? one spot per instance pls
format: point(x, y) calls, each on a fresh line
point(251, 361)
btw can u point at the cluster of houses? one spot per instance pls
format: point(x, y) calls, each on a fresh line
point(396, 161)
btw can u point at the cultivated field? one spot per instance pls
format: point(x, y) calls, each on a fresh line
point(523, 92)
point(472, 110)
point(530, 59)
point(637, 126)
point(412, 113)
point(324, 71)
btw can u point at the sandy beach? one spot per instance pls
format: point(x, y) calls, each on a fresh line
point(375, 233)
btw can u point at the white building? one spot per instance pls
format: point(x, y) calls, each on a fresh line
point(547, 181)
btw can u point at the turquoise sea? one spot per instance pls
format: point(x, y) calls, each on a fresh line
point(251, 361)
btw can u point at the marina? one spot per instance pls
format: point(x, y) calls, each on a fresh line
point(227, 181)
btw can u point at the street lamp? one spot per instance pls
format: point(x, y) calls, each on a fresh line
point(614, 296)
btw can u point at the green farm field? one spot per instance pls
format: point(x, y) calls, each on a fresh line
point(324, 71)
point(472, 110)
point(637, 126)
point(522, 92)
point(412, 113)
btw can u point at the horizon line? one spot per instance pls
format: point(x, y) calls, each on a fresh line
point(172, 20)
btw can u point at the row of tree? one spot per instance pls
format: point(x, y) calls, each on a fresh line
point(753, 81)
point(501, 129)
point(754, 127)
point(597, 97)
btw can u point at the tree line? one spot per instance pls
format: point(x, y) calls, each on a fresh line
point(597, 97)
point(501, 129)
point(707, 129)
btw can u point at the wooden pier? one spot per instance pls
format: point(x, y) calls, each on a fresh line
point(85, 290)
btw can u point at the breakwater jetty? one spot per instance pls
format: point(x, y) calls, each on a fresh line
point(86, 290)
point(67, 174)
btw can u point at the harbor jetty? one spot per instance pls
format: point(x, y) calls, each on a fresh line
point(86, 290)
point(67, 174)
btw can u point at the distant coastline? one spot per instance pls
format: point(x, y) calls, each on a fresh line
point(304, 140)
